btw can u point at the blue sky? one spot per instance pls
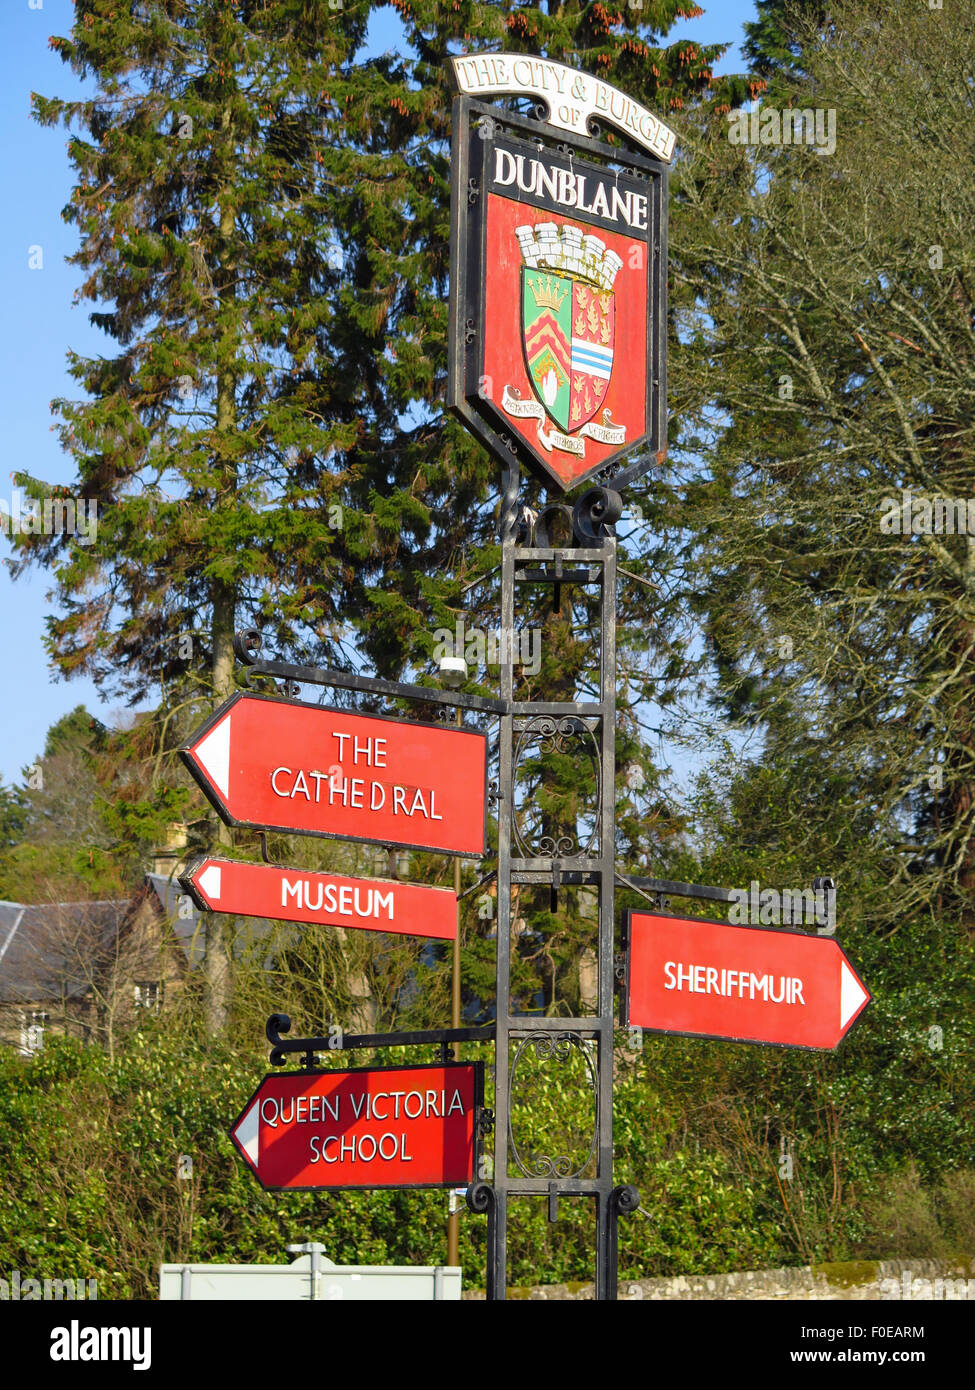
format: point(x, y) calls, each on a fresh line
point(41, 324)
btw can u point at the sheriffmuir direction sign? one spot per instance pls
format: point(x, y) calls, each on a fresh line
point(558, 273)
point(745, 984)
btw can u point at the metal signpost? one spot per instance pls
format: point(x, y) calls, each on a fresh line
point(557, 348)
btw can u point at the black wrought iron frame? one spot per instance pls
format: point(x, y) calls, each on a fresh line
point(592, 560)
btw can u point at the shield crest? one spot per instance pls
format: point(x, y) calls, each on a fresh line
point(568, 320)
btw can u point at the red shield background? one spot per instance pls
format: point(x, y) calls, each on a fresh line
point(504, 361)
point(593, 321)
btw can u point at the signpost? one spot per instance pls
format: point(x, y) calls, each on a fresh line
point(333, 900)
point(745, 984)
point(557, 345)
point(281, 765)
point(376, 1127)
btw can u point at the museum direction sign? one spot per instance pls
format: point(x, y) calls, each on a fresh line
point(558, 274)
point(745, 984)
point(331, 900)
point(375, 1127)
point(281, 765)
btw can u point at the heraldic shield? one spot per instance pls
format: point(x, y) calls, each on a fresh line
point(568, 325)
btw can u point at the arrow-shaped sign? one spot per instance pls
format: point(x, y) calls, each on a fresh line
point(281, 765)
point(294, 895)
point(745, 984)
point(375, 1127)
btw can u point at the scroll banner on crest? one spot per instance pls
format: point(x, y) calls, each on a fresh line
point(530, 410)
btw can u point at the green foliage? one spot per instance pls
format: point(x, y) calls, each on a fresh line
point(13, 816)
point(82, 823)
point(288, 262)
point(832, 292)
point(701, 1129)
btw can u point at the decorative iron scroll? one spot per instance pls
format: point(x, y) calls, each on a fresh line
point(552, 734)
point(555, 1047)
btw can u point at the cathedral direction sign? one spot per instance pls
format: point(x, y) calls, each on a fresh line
point(282, 765)
point(558, 271)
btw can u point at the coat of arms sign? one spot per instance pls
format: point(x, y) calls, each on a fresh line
point(557, 298)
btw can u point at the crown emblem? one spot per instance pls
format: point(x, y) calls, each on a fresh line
point(547, 294)
point(568, 251)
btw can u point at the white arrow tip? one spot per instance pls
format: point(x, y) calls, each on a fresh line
point(209, 882)
point(247, 1131)
point(852, 994)
point(213, 755)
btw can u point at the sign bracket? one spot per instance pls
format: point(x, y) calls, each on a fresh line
point(247, 645)
point(442, 1037)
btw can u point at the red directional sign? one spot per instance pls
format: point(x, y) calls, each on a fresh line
point(746, 984)
point(280, 765)
point(381, 1127)
point(294, 895)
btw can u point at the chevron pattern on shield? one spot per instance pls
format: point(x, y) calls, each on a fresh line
point(546, 327)
point(568, 327)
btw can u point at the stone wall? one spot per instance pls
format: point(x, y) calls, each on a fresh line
point(901, 1280)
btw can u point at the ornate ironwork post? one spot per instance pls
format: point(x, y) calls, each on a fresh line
point(554, 725)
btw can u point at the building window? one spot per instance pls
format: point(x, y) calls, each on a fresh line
point(148, 995)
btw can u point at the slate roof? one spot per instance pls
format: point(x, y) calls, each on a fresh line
point(41, 944)
point(190, 930)
point(44, 946)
